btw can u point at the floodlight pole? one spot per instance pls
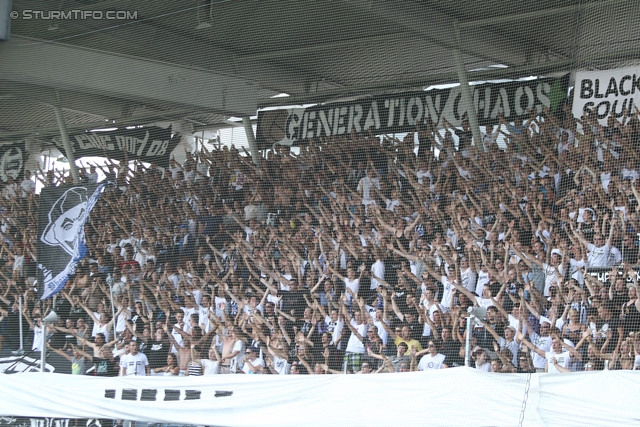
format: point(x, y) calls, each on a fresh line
point(68, 149)
point(467, 96)
point(253, 146)
point(467, 344)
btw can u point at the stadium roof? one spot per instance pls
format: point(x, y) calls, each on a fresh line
point(200, 62)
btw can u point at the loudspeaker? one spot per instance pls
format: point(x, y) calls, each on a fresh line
point(52, 317)
point(478, 312)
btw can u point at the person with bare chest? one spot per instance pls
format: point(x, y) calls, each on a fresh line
point(232, 353)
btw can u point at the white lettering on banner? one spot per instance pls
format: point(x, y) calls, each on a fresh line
point(138, 147)
point(49, 422)
point(373, 117)
point(603, 275)
point(132, 144)
point(403, 113)
point(606, 92)
point(93, 140)
point(157, 148)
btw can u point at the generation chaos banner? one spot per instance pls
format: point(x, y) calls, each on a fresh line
point(399, 113)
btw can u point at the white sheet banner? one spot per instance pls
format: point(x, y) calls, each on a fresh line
point(606, 91)
point(450, 397)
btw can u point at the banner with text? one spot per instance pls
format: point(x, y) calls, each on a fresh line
point(149, 144)
point(602, 274)
point(403, 112)
point(12, 160)
point(606, 92)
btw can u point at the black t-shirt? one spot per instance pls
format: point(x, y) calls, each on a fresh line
point(631, 319)
point(451, 349)
point(157, 352)
point(617, 301)
point(613, 324)
point(58, 340)
point(392, 265)
point(106, 367)
point(464, 138)
point(294, 301)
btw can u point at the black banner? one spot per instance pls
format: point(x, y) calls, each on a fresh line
point(399, 113)
point(149, 144)
point(12, 160)
point(62, 214)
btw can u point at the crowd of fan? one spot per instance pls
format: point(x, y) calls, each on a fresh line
point(354, 256)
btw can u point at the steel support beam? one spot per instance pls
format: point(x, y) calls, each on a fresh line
point(62, 66)
point(416, 18)
point(5, 19)
point(601, 59)
point(503, 19)
point(126, 121)
point(467, 93)
point(251, 138)
point(68, 148)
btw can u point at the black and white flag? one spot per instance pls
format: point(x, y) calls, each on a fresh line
point(12, 159)
point(61, 244)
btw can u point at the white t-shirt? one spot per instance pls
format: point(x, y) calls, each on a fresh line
point(365, 186)
point(27, 187)
point(598, 257)
point(203, 319)
point(237, 361)
point(544, 344)
point(484, 302)
point(210, 367)
point(334, 328)
point(446, 294)
point(354, 345)
point(221, 305)
point(551, 276)
point(257, 362)
point(176, 336)
point(281, 366)
point(354, 285)
point(469, 277)
point(430, 363)
point(134, 365)
point(485, 367)
point(483, 279)
point(377, 268)
point(37, 338)
point(563, 359)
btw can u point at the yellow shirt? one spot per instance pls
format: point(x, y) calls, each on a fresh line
point(409, 343)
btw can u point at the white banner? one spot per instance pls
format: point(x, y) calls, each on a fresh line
point(450, 397)
point(606, 91)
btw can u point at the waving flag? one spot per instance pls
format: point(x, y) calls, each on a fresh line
point(61, 244)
